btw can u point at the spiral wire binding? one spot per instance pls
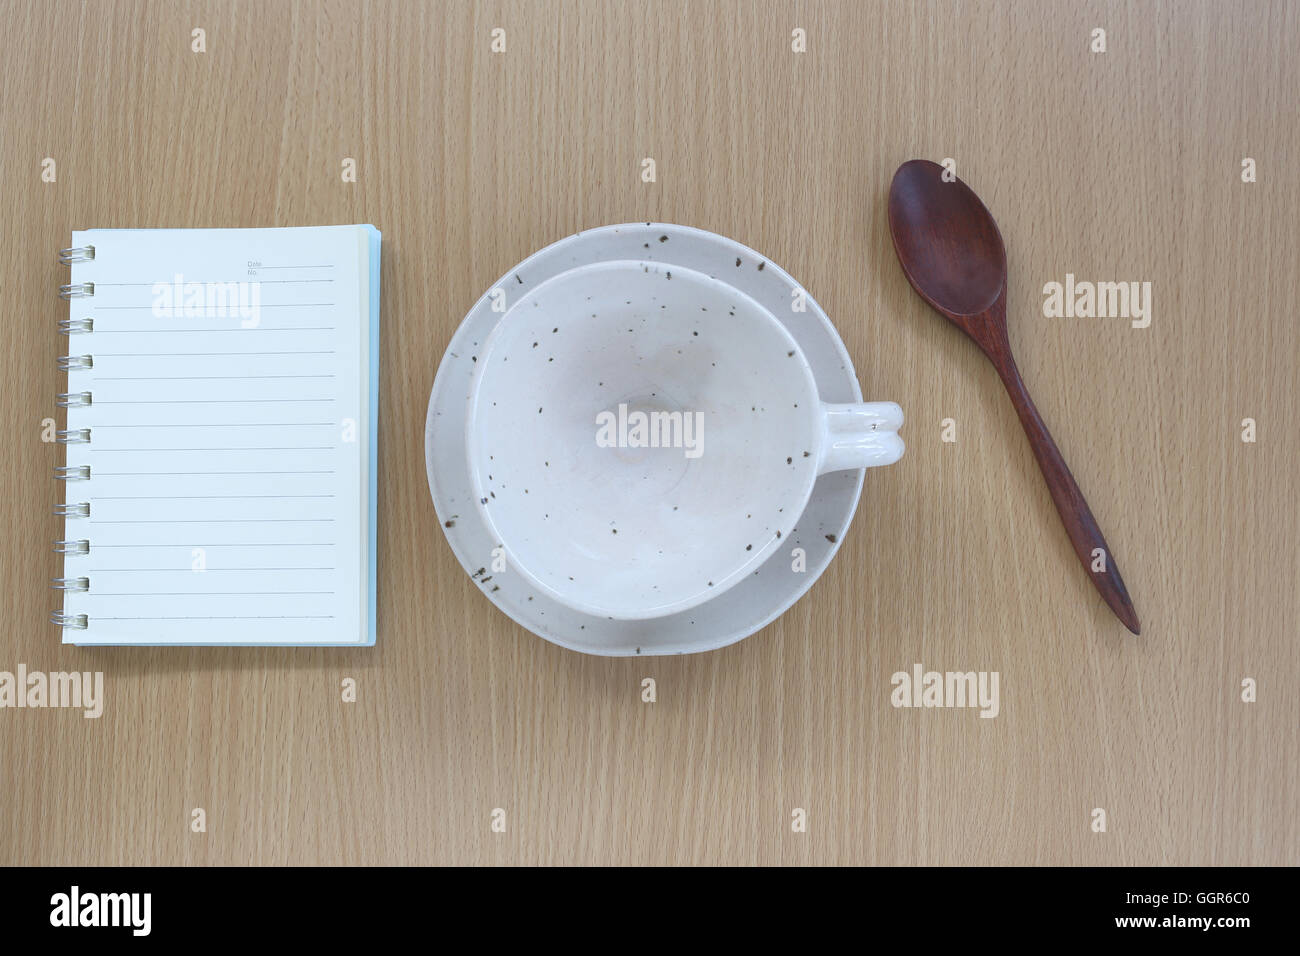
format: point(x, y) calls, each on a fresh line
point(74, 436)
point(76, 254)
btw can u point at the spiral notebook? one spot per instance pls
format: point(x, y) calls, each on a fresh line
point(222, 407)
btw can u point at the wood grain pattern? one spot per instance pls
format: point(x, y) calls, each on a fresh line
point(1116, 166)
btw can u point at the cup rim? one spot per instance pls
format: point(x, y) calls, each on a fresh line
point(723, 582)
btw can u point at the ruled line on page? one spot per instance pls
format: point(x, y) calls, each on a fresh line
point(99, 354)
point(205, 570)
point(259, 544)
point(170, 474)
point(215, 425)
point(193, 378)
point(256, 328)
point(198, 593)
point(191, 497)
point(210, 448)
point(208, 401)
point(262, 305)
point(169, 283)
point(231, 617)
point(218, 521)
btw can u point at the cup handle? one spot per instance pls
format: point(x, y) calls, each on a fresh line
point(861, 435)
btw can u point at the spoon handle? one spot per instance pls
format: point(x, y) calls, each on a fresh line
point(1080, 525)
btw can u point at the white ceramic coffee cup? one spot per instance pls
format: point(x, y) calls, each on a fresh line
point(641, 437)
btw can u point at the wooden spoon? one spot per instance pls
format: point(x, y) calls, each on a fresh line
point(952, 254)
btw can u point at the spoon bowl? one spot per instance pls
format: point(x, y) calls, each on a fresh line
point(931, 220)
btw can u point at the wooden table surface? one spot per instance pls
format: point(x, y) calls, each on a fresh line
point(1123, 165)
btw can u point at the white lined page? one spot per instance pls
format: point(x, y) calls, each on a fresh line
point(227, 490)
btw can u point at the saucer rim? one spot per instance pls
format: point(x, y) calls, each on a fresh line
point(723, 633)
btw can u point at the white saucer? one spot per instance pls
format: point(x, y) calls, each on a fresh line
point(732, 615)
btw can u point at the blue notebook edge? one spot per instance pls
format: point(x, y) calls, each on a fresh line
point(372, 559)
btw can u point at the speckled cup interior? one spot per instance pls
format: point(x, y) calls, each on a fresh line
point(639, 532)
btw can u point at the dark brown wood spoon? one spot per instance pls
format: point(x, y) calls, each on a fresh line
point(952, 254)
